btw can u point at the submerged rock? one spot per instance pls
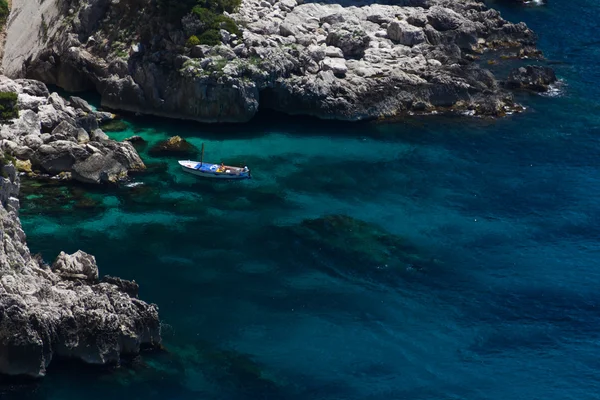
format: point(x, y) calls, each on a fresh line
point(63, 310)
point(174, 146)
point(367, 247)
point(114, 126)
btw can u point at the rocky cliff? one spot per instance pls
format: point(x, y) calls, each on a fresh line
point(49, 135)
point(344, 61)
point(64, 309)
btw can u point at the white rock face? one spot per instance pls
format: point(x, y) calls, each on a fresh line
point(30, 31)
point(63, 149)
point(403, 33)
point(64, 310)
point(337, 65)
point(396, 59)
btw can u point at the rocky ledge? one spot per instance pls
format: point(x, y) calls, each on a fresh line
point(65, 309)
point(52, 136)
point(327, 60)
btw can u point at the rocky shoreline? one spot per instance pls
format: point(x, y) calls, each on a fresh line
point(333, 61)
point(62, 310)
point(56, 137)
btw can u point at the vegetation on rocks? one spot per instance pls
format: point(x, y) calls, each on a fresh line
point(176, 9)
point(8, 105)
point(4, 11)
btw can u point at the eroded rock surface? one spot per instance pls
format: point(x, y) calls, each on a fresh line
point(62, 310)
point(54, 137)
point(346, 62)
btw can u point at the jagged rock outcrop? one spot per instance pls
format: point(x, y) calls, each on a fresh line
point(532, 77)
point(327, 60)
point(57, 138)
point(62, 310)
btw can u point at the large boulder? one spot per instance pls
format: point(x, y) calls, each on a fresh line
point(352, 40)
point(59, 156)
point(403, 33)
point(99, 168)
point(531, 77)
point(80, 104)
point(79, 265)
point(174, 146)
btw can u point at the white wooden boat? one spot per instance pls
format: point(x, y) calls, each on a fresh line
point(214, 171)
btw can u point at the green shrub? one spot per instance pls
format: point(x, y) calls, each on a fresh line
point(219, 6)
point(223, 22)
point(175, 9)
point(6, 159)
point(211, 37)
point(192, 41)
point(206, 16)
point(8, 106)
point(4, 11)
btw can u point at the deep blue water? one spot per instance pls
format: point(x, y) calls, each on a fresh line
point(435, 258)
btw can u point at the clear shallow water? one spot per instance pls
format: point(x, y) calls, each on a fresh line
point(464, 264)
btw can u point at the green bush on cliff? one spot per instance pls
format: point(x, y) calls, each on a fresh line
point(211, 37)
point(5, 159)
point(211, 20)
point(8, 106)
point(219, 6)
point(175, 9)
point(204, 15)
point(192, 41)
point(223, 22)
point(4, 10)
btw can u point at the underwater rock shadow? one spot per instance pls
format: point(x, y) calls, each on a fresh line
point(345, 248)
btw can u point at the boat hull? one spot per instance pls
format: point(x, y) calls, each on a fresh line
point(212, 171)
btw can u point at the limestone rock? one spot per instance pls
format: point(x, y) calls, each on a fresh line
point(336, 65)
point(81, 104)
point(79, 265)
point(64, 310)
point(351, 40)
point(397, 58)
point(405, 34)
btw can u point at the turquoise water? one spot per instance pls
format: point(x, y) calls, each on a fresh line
point(436, 258)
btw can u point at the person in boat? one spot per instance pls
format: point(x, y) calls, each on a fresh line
point(221, 167)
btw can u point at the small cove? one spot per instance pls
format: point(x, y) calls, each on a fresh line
point(260, 301)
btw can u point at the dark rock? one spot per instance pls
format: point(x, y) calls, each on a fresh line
point(135, 139)
point(59, 156)
point(33, 87)
point(80, 104)
point(129, 287)
point(65, 131)
point(138, 142)
point(353, 42)
point(531, 77)
point(443, 19)
point(89, 123)
point(98, 168)
point(175, 146)
point(99, 135)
